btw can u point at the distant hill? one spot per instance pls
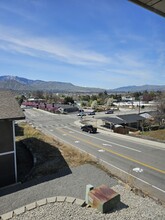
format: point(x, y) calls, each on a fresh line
point(139, 88)
point(22, 84)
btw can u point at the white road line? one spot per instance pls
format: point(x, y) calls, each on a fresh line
point(158, 188)
point(107, 145)
point(101, 150)
point(112, 165)
point(125, 172)
point(122, 146)
point(137, 170)
point(107, 141)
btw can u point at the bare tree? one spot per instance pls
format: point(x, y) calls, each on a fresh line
point(161, 108)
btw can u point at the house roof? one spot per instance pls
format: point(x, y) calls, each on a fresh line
point(131, 118)
point(9, 107)
point(68, 107)
point(146, 115)
point(114, 120)
point(157, 6)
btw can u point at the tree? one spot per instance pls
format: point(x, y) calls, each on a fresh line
point(20, 99)
point(161, 108)
point(148, 96)
point(94, 97)
point(109, 101)
point(105, 93)
point(85, 98)
point(39, 94)
point(94, 104)
point(137, 95)
point(68, 100)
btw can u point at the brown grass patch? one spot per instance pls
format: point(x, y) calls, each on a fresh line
point(51, 155)
point(158, 134)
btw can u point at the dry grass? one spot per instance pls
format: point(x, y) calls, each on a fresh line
point(158, 134)
point(51, 155)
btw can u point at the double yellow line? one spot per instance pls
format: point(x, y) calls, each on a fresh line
point(118, 154)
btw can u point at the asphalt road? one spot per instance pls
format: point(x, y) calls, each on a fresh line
point(141, 163)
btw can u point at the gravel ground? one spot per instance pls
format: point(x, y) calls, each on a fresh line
point(131, 207)
point(60, 184)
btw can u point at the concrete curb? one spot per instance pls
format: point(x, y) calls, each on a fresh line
point(28, 207)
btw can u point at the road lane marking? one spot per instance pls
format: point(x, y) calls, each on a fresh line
point(107, 145)
point(107, 141)
point(122, 146)
point(137, 170)
point(121, 155)
point(158, 188)
point(143, 181)
point(101, 150)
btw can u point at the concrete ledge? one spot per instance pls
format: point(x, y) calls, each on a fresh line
point(28, 207)
point(80, 202)
point(7, 216)
point(31, 206)
point(61, 198)
point(70, 200)
point(51, 199)
point(19, 211)
point(41, 202)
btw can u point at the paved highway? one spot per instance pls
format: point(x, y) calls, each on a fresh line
point(141, 163)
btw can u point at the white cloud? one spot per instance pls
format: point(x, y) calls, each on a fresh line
point(54, 48)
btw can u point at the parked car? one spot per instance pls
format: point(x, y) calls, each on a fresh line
point(91, 113)
point(109, 111)
point(89, 128)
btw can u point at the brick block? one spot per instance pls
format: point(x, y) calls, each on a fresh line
point(103, 198)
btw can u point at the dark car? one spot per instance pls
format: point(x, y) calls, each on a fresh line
point(109, 111)
point(89, 128)
point(91, 113)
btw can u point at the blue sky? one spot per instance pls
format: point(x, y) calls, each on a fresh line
point(93, 43)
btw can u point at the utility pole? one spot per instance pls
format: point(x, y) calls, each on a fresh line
point(140, 98)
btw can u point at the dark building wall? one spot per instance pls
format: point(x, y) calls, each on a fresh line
point(7, 171)
point(7, 154)
point(6, 136)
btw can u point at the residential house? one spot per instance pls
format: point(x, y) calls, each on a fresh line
point(9, 112)
point(132, 120)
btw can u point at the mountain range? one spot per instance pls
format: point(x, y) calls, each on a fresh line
point(22, 84)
